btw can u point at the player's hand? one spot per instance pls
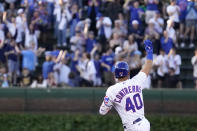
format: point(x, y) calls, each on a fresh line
point(148, 46)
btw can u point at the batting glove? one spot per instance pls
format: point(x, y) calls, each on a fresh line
point(149, 49)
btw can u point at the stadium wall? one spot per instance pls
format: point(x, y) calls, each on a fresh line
point(89, 99)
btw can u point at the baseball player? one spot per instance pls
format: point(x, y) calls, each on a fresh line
point(126, 95)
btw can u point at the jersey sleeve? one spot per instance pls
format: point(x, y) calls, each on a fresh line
point(140, 79)
point(106, 104)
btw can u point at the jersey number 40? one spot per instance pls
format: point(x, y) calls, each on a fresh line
point(137, 103)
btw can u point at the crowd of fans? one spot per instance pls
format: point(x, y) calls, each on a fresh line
point(96, 34)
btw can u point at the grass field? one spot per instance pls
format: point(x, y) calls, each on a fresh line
point(89, 122)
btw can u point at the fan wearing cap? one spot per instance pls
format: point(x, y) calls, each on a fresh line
point(20, 26)
point(136, 30)
point(171, 31)
point(126, 95)
point(47, 66)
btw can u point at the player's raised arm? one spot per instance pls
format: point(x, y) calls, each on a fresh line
point(149, 58)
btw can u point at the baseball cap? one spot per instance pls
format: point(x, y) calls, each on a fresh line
point(99, 15)
point(55, 53)
point(87, 20)
point(151, 21)
point(20, 11)
point(137, 53)
point(48, 53)
point(118, 50)
point(135, 22)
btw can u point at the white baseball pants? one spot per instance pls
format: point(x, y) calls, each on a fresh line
point(143, 125)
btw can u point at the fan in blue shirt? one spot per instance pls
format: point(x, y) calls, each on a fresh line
point(166, 42)
point(135, 12)
point(183, 9)
point(107, 60)
point(152, 5)
point(29, 59)
point(90, 42)
point(47, 66)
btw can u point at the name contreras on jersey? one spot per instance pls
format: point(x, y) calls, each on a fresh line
point(125, 91)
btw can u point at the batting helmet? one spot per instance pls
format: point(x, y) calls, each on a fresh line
point(121, 69)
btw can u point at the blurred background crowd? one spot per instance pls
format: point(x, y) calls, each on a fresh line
point(58, 43)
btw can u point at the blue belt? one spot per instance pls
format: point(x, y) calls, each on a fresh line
point(137, 120)
point(134, 122)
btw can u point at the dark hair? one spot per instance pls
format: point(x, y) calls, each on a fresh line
point(88, 55)
point(174, 49)
point(162, 50)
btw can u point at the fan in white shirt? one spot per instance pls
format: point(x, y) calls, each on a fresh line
point(158, 22)
point(162, 68)
point(20, 26)
point(130, 44)
point(107, 23)
point(65, 17)
point(173, 11)
point(62, 72)
point(171, 31)
point(174, 61)
point(10, 1)
point(87, 69)
point(77, 41)
point(30, 36)
point(84, 25)
point(11, 26)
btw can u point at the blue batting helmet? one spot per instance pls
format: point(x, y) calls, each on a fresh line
point(121, 69)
